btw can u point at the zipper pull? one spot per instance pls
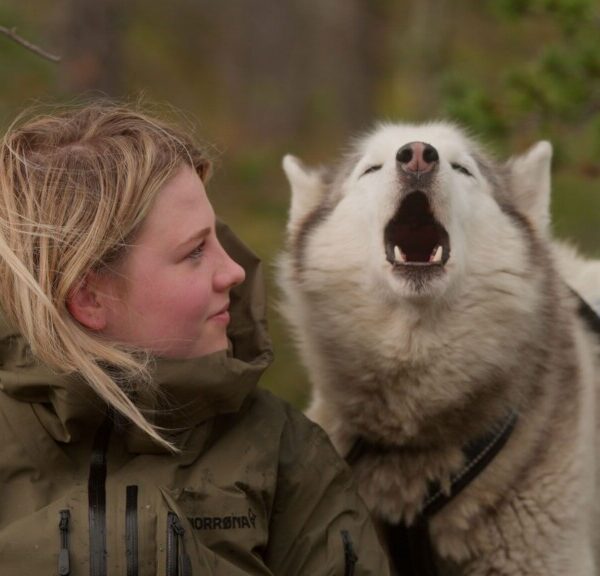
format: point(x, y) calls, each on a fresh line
point(64, 567)
point(177, 526)
point(185, 564)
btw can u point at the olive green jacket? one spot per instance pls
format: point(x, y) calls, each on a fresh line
point(256, 488)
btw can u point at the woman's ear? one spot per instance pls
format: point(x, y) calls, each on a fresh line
point(86, 304)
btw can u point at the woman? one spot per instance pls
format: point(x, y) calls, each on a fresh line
point(134, 439)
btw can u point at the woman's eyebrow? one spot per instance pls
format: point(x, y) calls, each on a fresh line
point(194, 237)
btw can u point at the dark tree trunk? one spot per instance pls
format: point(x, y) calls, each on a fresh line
point(92, 46)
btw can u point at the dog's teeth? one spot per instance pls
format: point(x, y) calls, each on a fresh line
point(398, 255)
point(437, 255)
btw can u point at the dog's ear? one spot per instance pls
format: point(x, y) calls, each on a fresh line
point(307, 189)
point(530, 181)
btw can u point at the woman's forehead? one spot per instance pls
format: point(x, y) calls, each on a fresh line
point(181, 208)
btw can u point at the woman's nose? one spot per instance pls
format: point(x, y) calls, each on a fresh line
point(229, 273)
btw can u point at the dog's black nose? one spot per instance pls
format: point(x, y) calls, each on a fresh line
point(417, 157)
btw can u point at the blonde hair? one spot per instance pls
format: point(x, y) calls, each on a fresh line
point(75, 186)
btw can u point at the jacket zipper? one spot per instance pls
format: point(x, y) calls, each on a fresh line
point(97, 499)
point(178, 562)
point(350, 557)
point(131, 530)
point(64, 568)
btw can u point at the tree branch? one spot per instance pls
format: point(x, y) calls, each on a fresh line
point(12, 33)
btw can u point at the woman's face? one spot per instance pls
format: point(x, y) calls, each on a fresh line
point(170, 294)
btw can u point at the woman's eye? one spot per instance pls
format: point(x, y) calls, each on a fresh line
point(460, 168)
point(197, 252)
point(370, 169)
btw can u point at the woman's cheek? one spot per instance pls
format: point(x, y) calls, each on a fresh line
point(195, 298)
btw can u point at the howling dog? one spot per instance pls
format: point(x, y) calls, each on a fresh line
point(453, 359)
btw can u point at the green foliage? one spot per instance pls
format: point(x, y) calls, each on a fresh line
point(558, 86)
point(474, 106)
point(568, 14)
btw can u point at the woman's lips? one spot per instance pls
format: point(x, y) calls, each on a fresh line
point(222, 315)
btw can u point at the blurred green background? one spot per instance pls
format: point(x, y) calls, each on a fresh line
point(261, 78)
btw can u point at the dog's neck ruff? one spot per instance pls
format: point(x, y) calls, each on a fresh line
point(410, 547)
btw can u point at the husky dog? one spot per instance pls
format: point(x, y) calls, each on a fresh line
point(422, 283)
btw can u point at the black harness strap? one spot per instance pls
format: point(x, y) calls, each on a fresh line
point(410, 549)
point(478, 455)
point(409, 546)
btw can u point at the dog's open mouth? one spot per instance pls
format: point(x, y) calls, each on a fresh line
point(413, 238)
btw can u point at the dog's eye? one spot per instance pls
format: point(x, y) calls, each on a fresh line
point(460, 168)
point(370, 169)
